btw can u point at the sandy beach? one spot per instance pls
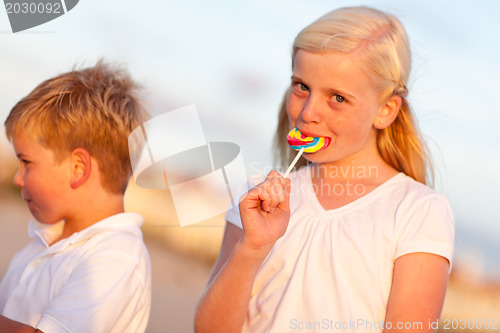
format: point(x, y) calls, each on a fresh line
point(178, 279)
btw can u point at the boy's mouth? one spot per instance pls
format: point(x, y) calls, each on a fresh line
point(26, 197)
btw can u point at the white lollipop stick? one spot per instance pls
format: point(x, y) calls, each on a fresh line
point(294, 162)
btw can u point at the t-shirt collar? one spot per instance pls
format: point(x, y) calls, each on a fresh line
point(128, 222)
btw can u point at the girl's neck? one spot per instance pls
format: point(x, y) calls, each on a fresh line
point(365, 168)
point(338, 184)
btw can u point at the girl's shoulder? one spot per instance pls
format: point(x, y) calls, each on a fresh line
point(412, 188)
point(410, 197)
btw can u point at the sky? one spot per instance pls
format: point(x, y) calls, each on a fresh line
point(232, 60)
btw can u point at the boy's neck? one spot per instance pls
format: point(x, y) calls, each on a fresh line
point(91, 212)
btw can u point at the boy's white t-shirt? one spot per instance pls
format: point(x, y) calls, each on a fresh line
point(96, 280)
point(332, 270)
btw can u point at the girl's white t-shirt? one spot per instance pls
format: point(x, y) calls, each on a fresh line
point(332, 270)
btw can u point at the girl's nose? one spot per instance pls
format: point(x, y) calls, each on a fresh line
point(311, 111)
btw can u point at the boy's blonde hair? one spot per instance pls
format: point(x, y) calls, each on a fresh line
point(382, 41)
point(94, 108)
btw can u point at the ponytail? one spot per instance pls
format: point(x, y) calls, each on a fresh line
point(402, 147)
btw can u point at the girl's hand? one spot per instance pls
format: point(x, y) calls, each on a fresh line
point(265, 212)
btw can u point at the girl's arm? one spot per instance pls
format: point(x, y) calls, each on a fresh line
point(224, 305)
point(264, 213)
point(12, 326)
point(417, 293)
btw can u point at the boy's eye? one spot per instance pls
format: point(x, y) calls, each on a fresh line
point(339, 99)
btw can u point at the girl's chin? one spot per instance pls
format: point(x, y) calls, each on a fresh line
point(317, 157)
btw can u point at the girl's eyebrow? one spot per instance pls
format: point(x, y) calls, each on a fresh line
point(328, 90)
point(341, 93)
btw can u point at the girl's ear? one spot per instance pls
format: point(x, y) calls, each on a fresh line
point(388, 112)
point(80, 167)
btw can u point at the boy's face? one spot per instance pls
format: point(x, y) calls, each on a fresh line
point(44, 183)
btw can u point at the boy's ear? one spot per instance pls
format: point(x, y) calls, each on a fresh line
point(388, 112)
point(81, 164)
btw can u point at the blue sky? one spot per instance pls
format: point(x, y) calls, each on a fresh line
point(232, 59)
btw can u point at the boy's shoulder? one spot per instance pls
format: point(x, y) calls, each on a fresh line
point(114, 232)
point(117, 232)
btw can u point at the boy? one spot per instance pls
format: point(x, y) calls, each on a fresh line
point(89, 270)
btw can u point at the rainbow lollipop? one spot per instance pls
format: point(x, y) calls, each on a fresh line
point(304, 143)
point(311, 144)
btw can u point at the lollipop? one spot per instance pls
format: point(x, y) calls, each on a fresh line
point(311, 144)
point(304, 143)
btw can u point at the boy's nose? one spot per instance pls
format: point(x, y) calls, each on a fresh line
point(19, 179)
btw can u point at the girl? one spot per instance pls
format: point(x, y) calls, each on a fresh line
point(354, 241)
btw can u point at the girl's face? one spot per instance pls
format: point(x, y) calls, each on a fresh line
point(330, 95)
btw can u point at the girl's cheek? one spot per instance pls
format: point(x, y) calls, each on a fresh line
point(294, 107)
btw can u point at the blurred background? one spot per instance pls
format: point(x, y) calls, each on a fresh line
point(232, 60)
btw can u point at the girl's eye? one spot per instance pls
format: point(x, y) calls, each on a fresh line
point(339, 99)
point(301, 87)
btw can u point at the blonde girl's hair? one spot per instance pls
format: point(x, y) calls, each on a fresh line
point(382, 41)
point(93, 108)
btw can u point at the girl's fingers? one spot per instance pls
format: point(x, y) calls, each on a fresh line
point(266, 199)
point(273, 191)
point(273, 174)
point(279, 188)
point(268, 194)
